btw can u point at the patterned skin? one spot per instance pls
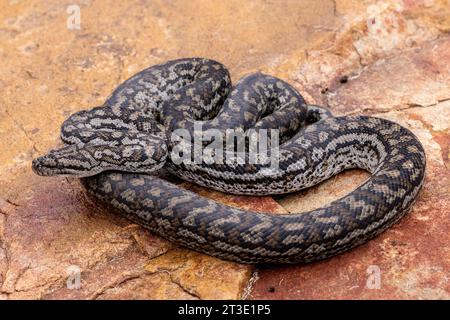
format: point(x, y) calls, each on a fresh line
point(116, 146)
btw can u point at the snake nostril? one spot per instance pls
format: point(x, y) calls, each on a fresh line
point(36, 166)
point(36, 163)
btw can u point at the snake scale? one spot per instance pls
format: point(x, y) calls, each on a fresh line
point(117, 149)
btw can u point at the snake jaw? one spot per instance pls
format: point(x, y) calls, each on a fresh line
point(43, 166)
point(65, 161)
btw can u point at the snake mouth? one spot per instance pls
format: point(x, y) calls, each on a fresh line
point(48, 165)
point(40, 169)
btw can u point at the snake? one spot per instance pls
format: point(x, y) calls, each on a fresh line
point(120, 148)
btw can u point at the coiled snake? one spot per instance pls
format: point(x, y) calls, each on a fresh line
point(115, 148)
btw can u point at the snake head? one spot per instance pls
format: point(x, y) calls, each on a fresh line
point(130, 153)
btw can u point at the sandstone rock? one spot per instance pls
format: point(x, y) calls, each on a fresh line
point(197, 274)
point(384, 58)
point(368, 33)
point(425, 66)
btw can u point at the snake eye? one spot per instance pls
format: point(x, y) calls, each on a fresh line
point(98, 154)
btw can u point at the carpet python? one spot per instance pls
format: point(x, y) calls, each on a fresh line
point(118, 148)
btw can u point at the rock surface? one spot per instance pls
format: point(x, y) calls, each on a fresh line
point(383, 58)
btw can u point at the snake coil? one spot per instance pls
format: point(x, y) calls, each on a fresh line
point(116, 148)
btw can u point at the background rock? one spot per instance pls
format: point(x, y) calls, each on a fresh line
point(384, 58)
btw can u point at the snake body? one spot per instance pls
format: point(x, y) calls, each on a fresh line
point(117, 147)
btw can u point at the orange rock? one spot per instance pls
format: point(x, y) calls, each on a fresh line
point(388, 58)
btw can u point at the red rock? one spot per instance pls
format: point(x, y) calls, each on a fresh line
point(386, 58)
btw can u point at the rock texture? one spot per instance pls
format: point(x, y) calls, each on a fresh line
point(383, 58)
